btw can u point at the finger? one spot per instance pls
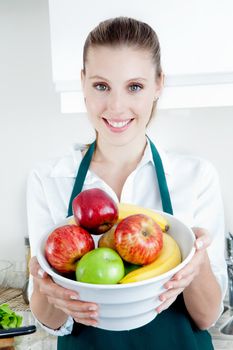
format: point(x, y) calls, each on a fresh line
point(85, 315)
point(199, 232)
point(182, 274)
point(74, 306)
point(35, 269)
point(86, 322)
point(51, 289)
point(202, 243)
point(47, 285)
point(165, 305)
point(170, 294)
point(203, 238)
point(183, 283)
point(82, 317)
point(191, 268)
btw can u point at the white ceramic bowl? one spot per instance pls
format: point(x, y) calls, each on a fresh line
point(131, 305)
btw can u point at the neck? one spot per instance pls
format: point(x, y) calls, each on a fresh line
point(120, 155)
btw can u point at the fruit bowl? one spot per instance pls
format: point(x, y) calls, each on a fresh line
point(131, 305)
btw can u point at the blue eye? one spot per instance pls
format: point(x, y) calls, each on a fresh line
point(135, 87)
point(101, 87)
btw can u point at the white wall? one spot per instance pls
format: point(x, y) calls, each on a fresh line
point(33, 129)
point(206, 132)
point(197, 74)
point(31, 126)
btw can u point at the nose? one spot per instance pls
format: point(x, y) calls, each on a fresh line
point(115, 102)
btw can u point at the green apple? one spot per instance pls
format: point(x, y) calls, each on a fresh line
point(100, 266)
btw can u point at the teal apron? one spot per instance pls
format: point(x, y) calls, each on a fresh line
point(172, 329)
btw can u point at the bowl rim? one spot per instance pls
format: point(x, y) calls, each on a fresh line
point(42, 261)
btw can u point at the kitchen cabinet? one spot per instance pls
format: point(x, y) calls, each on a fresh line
point(196, 47)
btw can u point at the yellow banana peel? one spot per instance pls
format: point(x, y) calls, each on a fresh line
point(169, 257)
point(126, 209)
point(71, 221)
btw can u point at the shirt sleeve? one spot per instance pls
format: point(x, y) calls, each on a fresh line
point(209, 214)
point(39, 217)
point(40, 221)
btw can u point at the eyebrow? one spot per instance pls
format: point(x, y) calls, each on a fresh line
point(102, 78)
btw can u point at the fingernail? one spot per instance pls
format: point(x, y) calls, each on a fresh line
point(162, 298)
point(41, 273)
point(74, 297)
point(92, 308)
point(169, 286)
point(199, 244)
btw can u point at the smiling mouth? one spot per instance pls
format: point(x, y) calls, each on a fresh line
point(121, 124)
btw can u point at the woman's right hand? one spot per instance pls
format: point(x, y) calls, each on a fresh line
point(61, 298)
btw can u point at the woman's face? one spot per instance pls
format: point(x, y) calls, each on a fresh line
point(119, 87)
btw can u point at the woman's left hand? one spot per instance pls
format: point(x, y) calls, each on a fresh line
point(185, 276)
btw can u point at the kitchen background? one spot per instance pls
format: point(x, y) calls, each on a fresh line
point(33, 127)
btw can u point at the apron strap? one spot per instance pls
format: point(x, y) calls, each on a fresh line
point(81, 175)
point(84, 166)
point(163, 188)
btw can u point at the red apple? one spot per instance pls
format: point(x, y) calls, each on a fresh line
point(95, 210)
point(66, 245)
point(138, 239)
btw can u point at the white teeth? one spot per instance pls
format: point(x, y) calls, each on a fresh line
point(118, 124)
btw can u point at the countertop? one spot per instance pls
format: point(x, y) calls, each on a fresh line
point(222, 341)
point(42, 341)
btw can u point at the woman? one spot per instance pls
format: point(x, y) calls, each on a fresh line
point(122, 80)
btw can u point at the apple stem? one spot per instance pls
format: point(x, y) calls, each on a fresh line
point(145, 233)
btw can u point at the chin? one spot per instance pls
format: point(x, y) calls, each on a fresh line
point(122, 139)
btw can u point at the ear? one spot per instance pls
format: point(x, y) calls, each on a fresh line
point(159, 85)
point(82, 75)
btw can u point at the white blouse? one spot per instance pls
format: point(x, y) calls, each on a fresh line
point(193, 186)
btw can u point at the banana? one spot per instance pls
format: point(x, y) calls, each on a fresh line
point(71, 221)
point(126, 209)
point(169, 257)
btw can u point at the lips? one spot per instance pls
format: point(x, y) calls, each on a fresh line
point(117, 125)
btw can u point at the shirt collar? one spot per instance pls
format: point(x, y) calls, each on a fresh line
point(68, 166)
